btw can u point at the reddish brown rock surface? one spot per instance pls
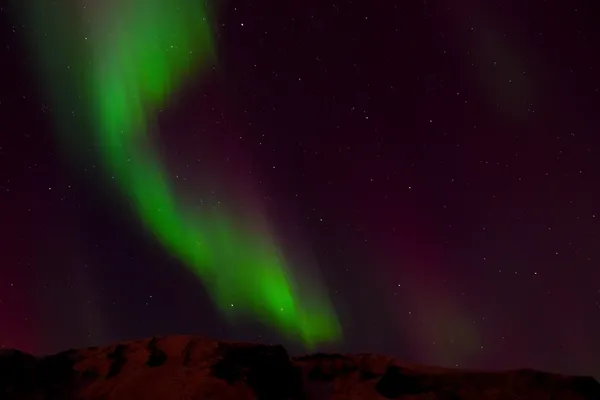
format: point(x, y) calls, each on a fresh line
point(188, 367)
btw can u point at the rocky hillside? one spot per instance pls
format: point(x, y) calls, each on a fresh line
point(188, 367)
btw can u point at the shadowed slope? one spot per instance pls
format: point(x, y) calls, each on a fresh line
point(189, 367)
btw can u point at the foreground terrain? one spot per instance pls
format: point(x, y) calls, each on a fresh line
point(188, 367)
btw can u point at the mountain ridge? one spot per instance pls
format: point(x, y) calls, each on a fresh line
point(194, 368)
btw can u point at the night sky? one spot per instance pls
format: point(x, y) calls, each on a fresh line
point(437, 160)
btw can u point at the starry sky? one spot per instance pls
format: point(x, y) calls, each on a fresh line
point(434, 160)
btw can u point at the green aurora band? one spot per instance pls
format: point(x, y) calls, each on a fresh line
point(125, 59)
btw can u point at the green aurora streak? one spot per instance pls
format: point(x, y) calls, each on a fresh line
point(131, 56)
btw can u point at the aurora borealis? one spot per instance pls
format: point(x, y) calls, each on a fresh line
point(138, 53)
point(417, 179)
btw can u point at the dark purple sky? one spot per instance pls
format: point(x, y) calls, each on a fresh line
point(440, 162)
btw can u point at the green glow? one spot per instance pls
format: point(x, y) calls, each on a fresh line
point(132, 56)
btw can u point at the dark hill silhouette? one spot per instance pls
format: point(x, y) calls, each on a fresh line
point(189, 367)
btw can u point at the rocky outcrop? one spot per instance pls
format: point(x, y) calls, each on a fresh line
point(188, 367)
